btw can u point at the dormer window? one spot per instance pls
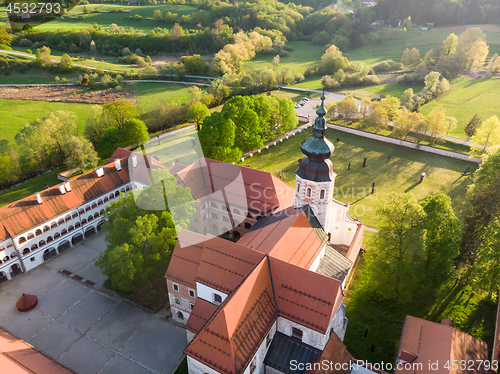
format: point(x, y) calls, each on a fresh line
point(217, 299)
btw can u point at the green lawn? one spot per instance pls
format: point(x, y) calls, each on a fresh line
point(401, 174)
point(313, 83)
point(150, 93)
point(30, 187)
point(104, 17)
point(303, 54)
point(466, 98)
point(384, 319)
point(17, 113)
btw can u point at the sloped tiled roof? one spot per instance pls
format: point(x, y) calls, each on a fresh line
point(231, 337)
point(186, 257)
point(224, 264)
point(256, 190)
point(287, 235)
point(24, 214)
point(18, 357)
point(430, 341)
point(200, 314)
point(286, 349)
point(301, 295)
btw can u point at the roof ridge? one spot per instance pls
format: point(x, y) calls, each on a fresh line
point(290, 288)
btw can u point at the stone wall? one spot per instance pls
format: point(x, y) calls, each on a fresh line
point(404, 143)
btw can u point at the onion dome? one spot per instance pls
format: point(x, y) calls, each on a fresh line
point(316, 166)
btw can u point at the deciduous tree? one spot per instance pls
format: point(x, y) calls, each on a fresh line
point(347, 108)
point(135, 132)
point(217, 138)
point(471, 127)
point(80, 153)
point(120, 111)
point(197, 113)
point(488, 133)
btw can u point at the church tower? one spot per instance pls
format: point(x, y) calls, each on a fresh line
point(315, 177)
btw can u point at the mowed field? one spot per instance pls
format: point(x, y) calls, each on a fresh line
point(400, 174)
point(148, 94)
point(466, 98)
point(422, 40)
point(303, 54)
point(15, 114)
point(104, 15)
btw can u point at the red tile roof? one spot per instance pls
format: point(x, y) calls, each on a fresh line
point(430, 341)
point(231, 337)
point(301, 295)
point(18, 357)
point(201, 313)
point(225, 264)
point(186, 257)
point(24, 214)
point(256, 190)
point(288, 236)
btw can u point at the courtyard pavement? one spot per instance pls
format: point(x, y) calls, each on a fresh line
point(84, 329)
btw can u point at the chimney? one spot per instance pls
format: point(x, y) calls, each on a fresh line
point(134, 160)
point(38, 197)
point(118, 165)
point(67, 185)
point(99, 171)
point(61, 188)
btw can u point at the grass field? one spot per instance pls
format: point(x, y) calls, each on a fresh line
point(373, 92)
point(401, 174)
point(150, 93)
point(101, 15)
point(383, 320)
point(17, 113)
point(29, 187)
point(466, 98)
point(303, 54)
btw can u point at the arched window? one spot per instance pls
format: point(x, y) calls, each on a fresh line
point(298, 187)
point(322, 194)
point(90, 218)
point(38, 232)
point(56, 235)
point(81, 211)
point(111, 197)
point(214, 216)
point(180, 315)
point(68, 218)
point(236, 211)
point(122, 189)
point(74, 215)
point(249, 216)
point(71, 228)
point(42, 242)
point(64, 232)
point(96, 215)
point(101, 212)
point(26, 251)
point(94, 205)
point(84, 221)
point(60, 222)
point(117, 193)
point(53, 225)
point(203, 207)
point(308, 193)
point(127, 189)
point(225, 219)
point(87, 208)
point(30, 236)
point(46, 228)
point(22, 239)
point(78, 224)
point(49, 239)
point(213, 205)
point(105, 200)
point(34, 246)
point(99, 202)
point(248, 226)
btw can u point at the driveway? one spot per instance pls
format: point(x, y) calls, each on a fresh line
point(84, 329)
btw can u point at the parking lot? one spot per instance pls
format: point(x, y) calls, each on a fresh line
point(87, 330)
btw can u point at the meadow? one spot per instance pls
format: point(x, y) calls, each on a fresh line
point(466, 98)
point(303, 54)
point(373, 92)
point(16, 114)
point(400, 174)
point(106, 14)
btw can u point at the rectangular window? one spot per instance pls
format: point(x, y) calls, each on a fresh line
point(177, 301)
point(217, 299)
point(32, 259)
point(192, 306)
point(191, 293)
point(176, 287)
point(296, 333)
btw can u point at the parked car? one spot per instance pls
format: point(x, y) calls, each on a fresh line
point(305, 99)
point(297, 106)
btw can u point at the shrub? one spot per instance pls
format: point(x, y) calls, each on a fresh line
point(25, 43)
point(84, 81)
point(5, 47)
point(29, 51)
point(141, 63)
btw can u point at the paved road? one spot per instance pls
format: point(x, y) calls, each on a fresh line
point(84, 329)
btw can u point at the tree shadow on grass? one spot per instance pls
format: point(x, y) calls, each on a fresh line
point(412, 187)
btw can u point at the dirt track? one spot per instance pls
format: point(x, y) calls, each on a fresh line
point(491, 28)
point(62, 94)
